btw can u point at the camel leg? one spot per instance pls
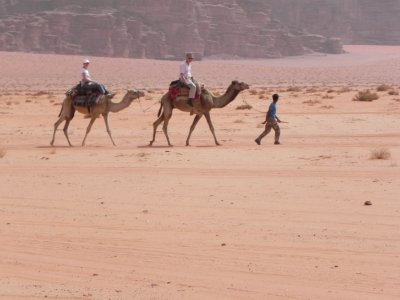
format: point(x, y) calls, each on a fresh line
point(208, 118)
point(105, 117)
point(165, 127)
point(195, 121)
point(88, 129)
point(65, 130)
point(56, 124)
point(67, 113)
point(155, 125)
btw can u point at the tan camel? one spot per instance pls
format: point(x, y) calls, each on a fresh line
point(203, 107)
point(103, 106)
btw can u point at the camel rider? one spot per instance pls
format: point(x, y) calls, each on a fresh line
point(185, 76)
point(88, 83)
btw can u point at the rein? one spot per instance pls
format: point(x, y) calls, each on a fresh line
point(144, 110)
point(245, 102)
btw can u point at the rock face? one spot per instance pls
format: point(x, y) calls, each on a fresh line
point(167, 29)
point(354, 21)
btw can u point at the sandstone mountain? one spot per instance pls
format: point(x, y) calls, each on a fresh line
point(354, 21)
point(166, 29)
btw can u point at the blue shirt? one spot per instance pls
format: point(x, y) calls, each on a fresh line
point(272, 111)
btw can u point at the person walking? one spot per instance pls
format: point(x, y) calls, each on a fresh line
point(271, 122)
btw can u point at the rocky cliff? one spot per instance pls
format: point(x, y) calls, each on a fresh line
point(166, 29)
point(354, 21)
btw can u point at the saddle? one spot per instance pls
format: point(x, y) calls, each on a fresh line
point(84, 96)
point(178, 88)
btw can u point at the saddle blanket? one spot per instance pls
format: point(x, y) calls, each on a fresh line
point(85, 101)
point(178, 88)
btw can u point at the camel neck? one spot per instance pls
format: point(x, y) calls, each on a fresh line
point(125, 102)
point(226, 98)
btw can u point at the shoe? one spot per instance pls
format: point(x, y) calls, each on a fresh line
point(190, 102)
point(257, 141)
point(277, 143)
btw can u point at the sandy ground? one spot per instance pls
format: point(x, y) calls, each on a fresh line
point(238, 221)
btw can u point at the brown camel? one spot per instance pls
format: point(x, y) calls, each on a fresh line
point(202, 107)
point(103, 106)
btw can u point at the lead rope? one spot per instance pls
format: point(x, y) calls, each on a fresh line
point(144, 110)
point(245, 102)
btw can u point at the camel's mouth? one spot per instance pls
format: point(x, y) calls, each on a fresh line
point(245, 86)
point(137, 93)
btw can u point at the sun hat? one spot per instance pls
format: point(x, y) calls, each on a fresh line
point(86, 61)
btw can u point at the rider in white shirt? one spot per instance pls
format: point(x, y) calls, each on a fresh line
point(85, 75)
point(185, 76)
point(86, 80)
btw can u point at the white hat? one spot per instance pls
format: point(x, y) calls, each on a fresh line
point(86, 61)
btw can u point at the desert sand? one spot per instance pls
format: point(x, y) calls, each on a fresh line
point(237, 221)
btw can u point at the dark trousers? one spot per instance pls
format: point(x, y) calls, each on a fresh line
point(95, 87)
point(271, 124)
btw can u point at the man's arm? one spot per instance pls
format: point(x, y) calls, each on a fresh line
point(266, 117)
point(183, 73)
point(85, 77)
point(183, 78)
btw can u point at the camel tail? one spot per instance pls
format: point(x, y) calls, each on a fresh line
point(160, 110)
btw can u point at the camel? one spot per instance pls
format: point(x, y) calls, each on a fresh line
point(201, 107)
point(103, 106)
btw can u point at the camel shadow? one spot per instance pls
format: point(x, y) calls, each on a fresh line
point(156, 147)
point(176, 147)
point(68, 147)
point(206, 146)
point(53, 147)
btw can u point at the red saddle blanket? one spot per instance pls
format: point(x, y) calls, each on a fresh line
point(177, 88)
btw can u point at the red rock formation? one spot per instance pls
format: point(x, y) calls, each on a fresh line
point(153, 29)
point(354, 21)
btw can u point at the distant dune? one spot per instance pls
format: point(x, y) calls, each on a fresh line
point(361, 65)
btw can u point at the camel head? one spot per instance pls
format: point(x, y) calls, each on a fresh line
point(134, 94)
point(239, 86)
